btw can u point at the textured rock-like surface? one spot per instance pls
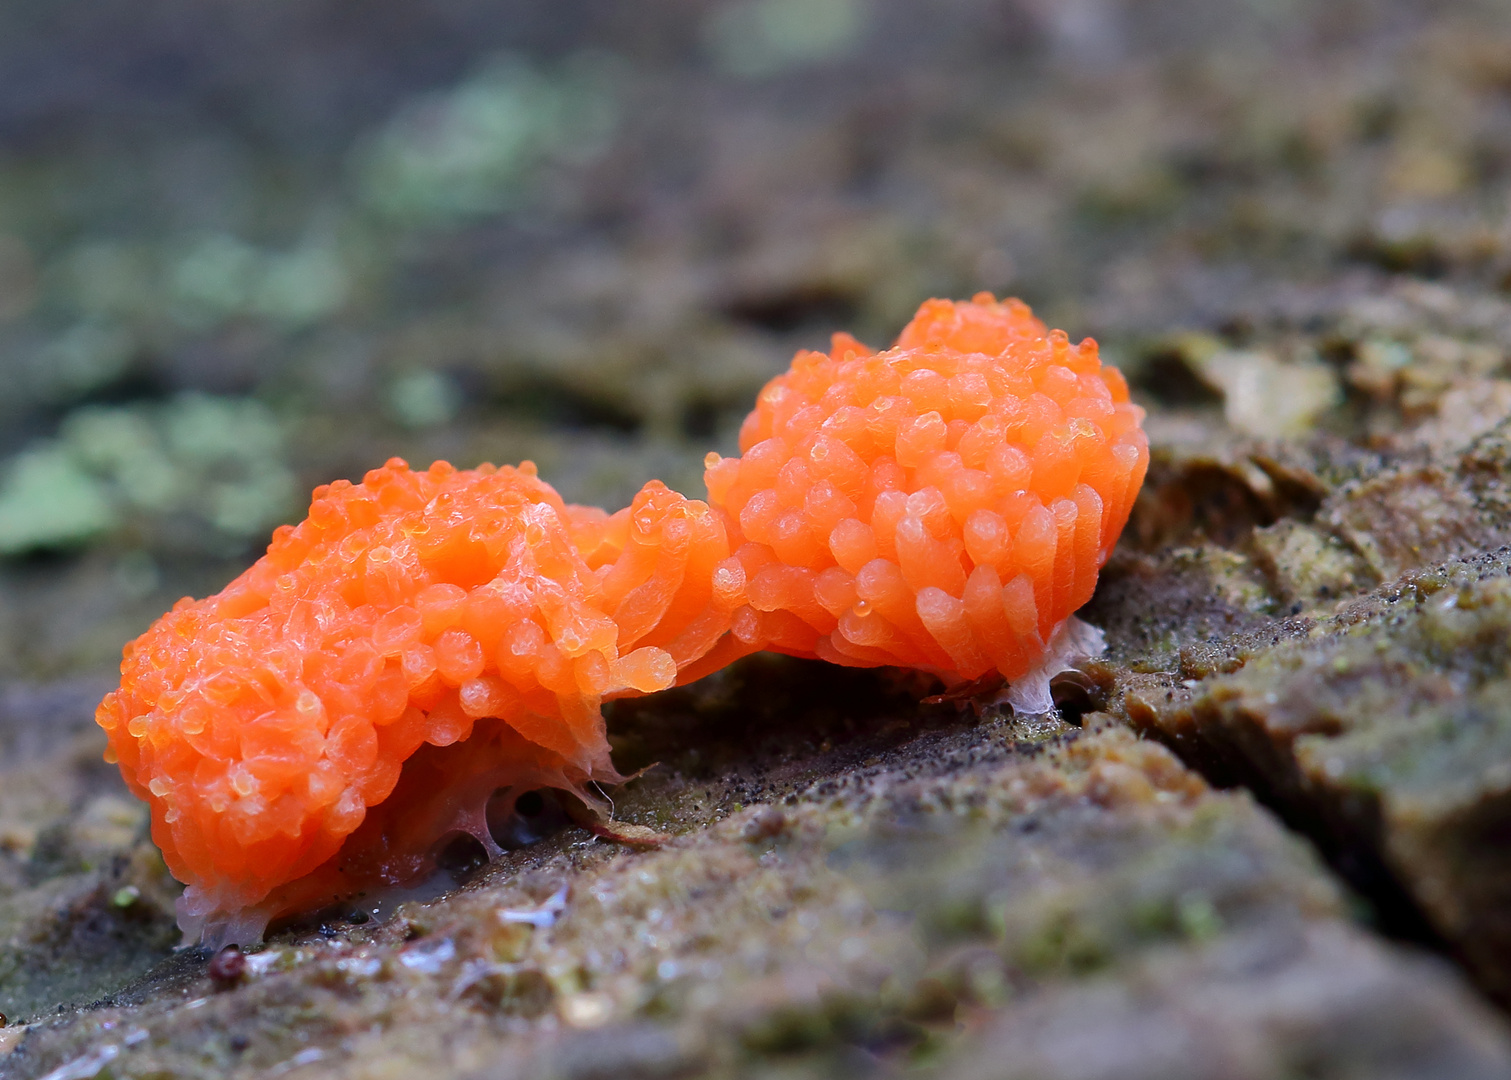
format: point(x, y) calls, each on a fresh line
point(1268, 1003)
point(1383, 732)
point(902, 896)
point(85, 900)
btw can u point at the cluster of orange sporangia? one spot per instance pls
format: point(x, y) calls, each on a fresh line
point(944, 505)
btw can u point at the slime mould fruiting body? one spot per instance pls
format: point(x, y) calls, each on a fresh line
point(944, 505)
point(427, 645)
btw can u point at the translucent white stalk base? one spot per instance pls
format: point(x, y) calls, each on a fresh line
point(1073, 642)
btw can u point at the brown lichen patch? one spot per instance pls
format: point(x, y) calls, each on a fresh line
point(1268, 397)
point(1216, 493)
point(1384, 736)
point(1408, 518)
point(1309, 566)
point(1425, 364)
point(871, 911)
point(1229, 527)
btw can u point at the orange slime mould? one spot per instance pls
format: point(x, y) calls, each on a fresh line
point(427, 646)
point(412, 612)
point(944, 505)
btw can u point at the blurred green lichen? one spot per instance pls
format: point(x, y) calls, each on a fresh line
point(423, 399)
point(47, 500)
point(88, 355)
point(193, 283)
point(473, 149)
point(762, 37)
point(200, 470)
point(220, 276)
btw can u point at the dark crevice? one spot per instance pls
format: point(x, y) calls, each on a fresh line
point(555, 404)
point(797, 308)
point(461, 855)
point(1418, 255)
point(1195, 501)
point(528, 818)
point(769, 708)
point(1075, 694)
point(701, 417)
point(1167, 377)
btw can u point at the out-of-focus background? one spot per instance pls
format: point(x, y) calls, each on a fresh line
point(248, 247)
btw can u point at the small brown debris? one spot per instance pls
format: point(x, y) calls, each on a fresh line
point(228, 967)
point(765, 824)
point(620, 832)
